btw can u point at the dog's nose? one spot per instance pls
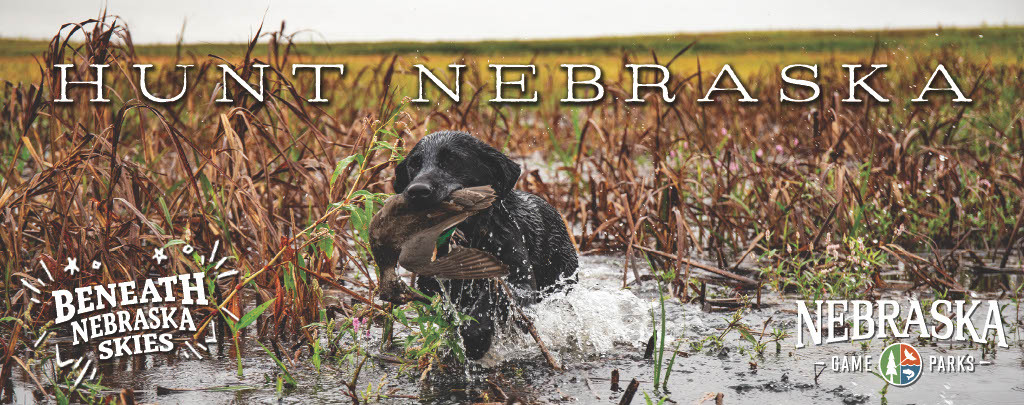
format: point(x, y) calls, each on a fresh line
point(418, 191)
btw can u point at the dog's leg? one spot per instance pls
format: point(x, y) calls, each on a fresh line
point(477, 336)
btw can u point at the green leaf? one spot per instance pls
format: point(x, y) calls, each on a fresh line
point(316, 354)
point(369, 196)
point(746, 335)
point(206, 185)
point(251, 316)
point(173, 242)
point(326, 244)
point(301, 259)
point(287, 375)
point(342, 164)
point(457, 349)
point(167, 213)
point(289, 281)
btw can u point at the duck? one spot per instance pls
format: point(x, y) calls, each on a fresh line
point(401, 234)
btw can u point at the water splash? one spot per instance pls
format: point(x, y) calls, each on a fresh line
point(587, 321)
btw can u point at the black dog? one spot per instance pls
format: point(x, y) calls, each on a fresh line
point(521, 229)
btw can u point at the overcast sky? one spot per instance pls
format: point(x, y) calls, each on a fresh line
point(374, 20)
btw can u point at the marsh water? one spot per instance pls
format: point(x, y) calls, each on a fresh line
point(597, 328)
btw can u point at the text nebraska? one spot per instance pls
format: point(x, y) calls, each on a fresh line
point(511, 83)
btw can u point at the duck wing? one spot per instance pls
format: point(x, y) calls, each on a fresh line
point(419, 249)
point(464, 264)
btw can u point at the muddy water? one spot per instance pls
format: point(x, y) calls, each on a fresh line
point(596, 329)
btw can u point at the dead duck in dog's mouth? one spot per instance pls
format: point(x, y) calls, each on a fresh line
point(402, 234)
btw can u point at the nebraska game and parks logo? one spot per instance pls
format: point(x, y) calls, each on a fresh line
point(968, 325)
point(900, 364)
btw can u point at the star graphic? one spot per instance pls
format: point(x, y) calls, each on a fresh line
point(159, 256)
point(72, 266)
point(96, 264)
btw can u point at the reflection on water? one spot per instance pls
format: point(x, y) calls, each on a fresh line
point(595, 329)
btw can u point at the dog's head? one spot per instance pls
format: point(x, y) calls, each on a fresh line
point(446, 161)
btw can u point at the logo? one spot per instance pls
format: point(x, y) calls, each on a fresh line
point(132, 317)
point(900, 364)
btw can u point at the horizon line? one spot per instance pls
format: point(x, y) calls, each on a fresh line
point(938, 27)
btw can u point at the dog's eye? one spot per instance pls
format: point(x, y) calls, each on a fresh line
point(444, 160)
point(414, 164)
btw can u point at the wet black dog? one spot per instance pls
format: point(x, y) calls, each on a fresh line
point(521, 229)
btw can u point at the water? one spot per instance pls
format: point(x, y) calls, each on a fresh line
point(593, 330)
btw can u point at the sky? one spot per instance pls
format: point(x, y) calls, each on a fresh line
point(429, 20)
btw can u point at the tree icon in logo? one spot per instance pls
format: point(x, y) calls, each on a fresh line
point(900, 364)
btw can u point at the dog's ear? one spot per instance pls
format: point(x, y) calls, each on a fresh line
point(504, 171)
point(401, 176)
